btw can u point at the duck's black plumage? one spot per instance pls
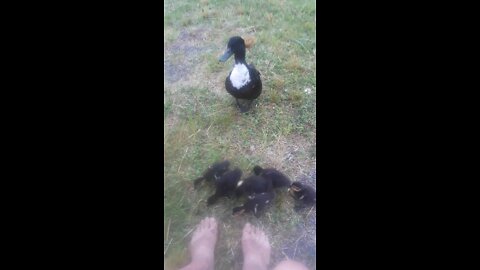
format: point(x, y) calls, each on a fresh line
point(244, 81)
point(215, 171)
point(303, 193)
point(225, 185)
point(251, 90)
point(254, 185)
point(278, 179)
point(255, 204)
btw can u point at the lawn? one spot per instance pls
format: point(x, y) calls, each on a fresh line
point(202, 124)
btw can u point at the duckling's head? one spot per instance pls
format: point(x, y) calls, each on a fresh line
point(221, 166)
point(236, 45)
point(295, 188)
point(249, 41)
point(257, 170)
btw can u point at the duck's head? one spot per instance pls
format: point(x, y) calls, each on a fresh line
point(236, 45)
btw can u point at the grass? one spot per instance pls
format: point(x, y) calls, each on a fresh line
point(202, 124)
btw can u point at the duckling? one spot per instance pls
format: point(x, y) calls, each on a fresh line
point(215, 171)
point(225, 185)
point(249, 41)
point(255, 204)
point(252, 185)
point(244, 81)
point(305, 194)
point(278, 179)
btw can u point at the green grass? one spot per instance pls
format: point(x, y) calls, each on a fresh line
point(202, 124)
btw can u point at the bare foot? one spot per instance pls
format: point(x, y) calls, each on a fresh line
point(256, 248)
point(290, 265)
point(202, 245)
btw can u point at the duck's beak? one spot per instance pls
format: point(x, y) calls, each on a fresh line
point(226, 55)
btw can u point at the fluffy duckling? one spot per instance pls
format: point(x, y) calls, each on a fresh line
point(253, 185)
point(278, 179)
point(225, 185)
point(304, 194)
point(255, 204)
point(215, 171)
point(244, 81)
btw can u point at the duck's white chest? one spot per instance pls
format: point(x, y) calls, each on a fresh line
point(239, 76)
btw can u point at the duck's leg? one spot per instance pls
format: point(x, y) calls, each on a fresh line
point(238, 103)
point(247, 107)
point(250, 102)
point(242, 108)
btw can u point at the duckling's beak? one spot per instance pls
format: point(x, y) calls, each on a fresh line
point(226, 55)
point(296, 189)
point(292, 191)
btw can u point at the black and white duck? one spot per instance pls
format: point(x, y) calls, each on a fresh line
point(244, 81)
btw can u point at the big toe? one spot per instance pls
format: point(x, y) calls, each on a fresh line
point(211, 224)
point(247, 229)
point(206, 228)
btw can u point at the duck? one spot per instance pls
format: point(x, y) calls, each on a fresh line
point(302, 193)
point(255, 203)
point(253, 185)
point(214, 172)
point(278, 179)
point(225, 185)
point(243, 82)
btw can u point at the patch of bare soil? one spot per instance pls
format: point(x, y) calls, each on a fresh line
point(183, 54)
point(183, 65)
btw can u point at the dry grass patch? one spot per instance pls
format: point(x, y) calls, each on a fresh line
point(269, 17)
point(295, 97)
point(294, 64)
point(239, 10)
point(278, 83)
